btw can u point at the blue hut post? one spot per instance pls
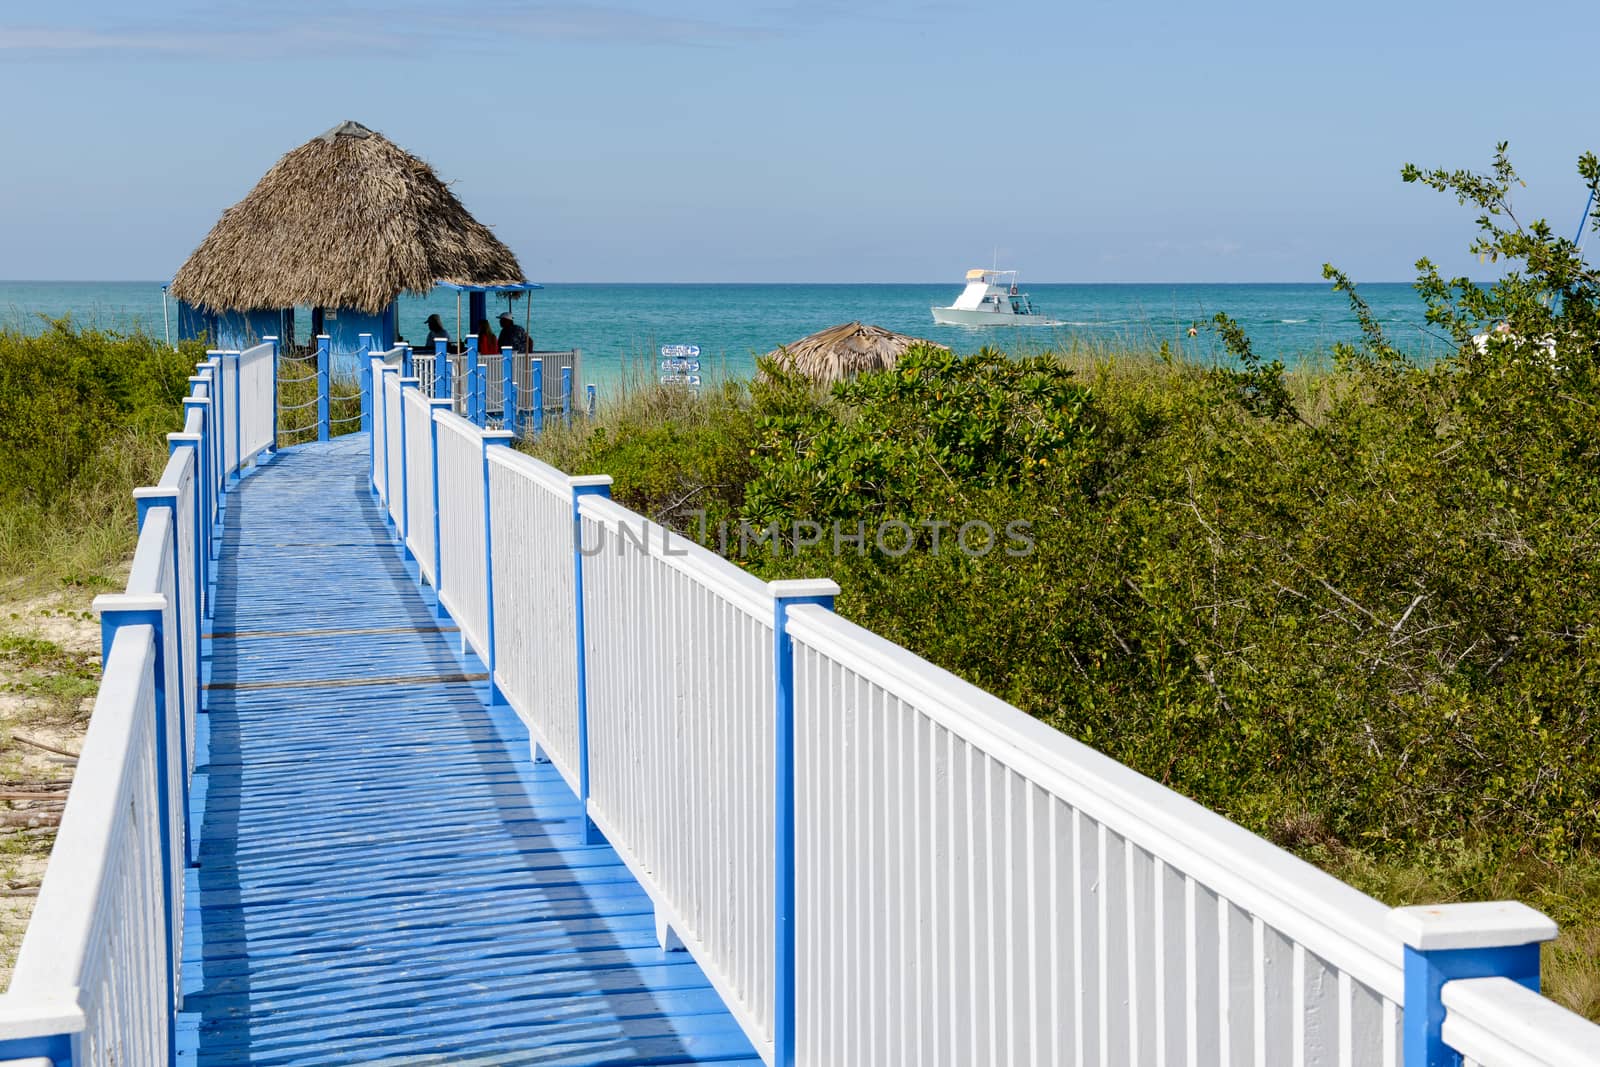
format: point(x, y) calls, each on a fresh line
point(473, 371)
point(508, 389)
point(323, 358)
point(566, 395)
point(536, 374)
point(441, 371)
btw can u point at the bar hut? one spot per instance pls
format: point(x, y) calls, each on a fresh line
point(341, 225)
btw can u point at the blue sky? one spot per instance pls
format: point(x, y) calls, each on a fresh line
point(810, 141)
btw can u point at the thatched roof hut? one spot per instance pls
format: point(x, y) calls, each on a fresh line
point(347, 220)
point(841, 352)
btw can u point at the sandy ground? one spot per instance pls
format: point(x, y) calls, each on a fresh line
point(46, 695)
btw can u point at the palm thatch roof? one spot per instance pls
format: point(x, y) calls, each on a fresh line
point(347, 220)
point(841, 352)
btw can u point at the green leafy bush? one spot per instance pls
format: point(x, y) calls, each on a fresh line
point(64, 391)
point(83, 414)
point(1355, 609)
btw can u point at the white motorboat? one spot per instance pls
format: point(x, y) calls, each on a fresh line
point(991, 298)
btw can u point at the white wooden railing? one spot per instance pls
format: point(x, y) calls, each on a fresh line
point(98, 978)
point(877, 863)
point(1495, 1022)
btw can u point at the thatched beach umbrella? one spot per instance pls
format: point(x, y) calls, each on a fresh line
point(841, 352)
point(347, 220)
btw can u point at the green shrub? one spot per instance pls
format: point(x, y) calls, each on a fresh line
point(83, 414)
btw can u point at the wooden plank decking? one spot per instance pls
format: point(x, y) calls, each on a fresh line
point(385, 877)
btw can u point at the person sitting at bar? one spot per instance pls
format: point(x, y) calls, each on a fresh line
point(512, 336)
point(436, 332)
point(487, 342)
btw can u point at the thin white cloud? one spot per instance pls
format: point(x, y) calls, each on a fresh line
point(245, 32)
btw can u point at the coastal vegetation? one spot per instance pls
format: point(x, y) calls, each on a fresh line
point(1356, 610)
point(83, 418)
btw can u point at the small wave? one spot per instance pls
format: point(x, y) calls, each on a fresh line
point(1294, 322)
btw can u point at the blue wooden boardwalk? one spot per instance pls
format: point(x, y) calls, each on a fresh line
point(385, 877)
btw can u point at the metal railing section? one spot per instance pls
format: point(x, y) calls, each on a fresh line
point(1000, 893)
point(379, 438)
point(681, 742)
point(462, 589)
point(418, 527)
point(1496, 1022)
point(87, 985)
point(534, 576)
point(393, 442)
point(257, 379)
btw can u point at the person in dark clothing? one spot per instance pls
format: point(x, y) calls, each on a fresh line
point(436, 331)
point(511, 335)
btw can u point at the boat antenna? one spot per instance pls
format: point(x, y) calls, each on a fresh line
point(166, 328)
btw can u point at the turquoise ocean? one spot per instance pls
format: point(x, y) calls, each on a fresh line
point(619, 326)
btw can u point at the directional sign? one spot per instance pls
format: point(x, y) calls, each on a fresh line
point(679, 366)
point(680, 351)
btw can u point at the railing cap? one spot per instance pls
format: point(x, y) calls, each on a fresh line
point(128, 602)
point(795, 588)
point(584, 481)
point(157, 492)
point(23, 1016)
point(498, 437)
point(1483, 924)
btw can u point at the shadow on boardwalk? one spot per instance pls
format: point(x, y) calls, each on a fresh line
point(385, 877)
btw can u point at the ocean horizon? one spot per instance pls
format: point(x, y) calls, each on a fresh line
point(619, 325)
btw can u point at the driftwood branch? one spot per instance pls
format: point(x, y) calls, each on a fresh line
point(31, 743)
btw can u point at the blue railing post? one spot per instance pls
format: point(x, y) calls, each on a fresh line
point(324, 356)
point(536, 377)
point(582, 486)
point(785, 595)
point(116, 611)
point(442, 384)
point(192, 441)
point(435, 406)
point(491, 439)
point(566, 396)
point(589, 391)
point(237, 426)
point(364, 353)
point(406, 369)
point(405, 475)
point(203, 473)
point(373, 386)
point(145, 500)
point(1498, 939)
point(273, 447)
point(508, 388)
point(474, 416)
